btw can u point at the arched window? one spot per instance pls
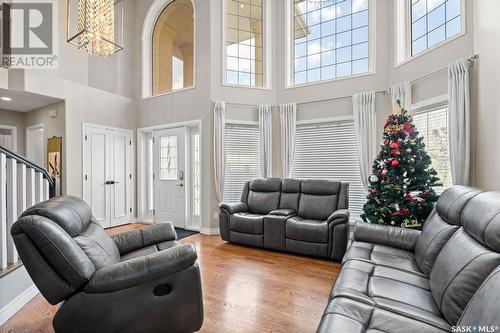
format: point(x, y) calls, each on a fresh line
point(168, 47)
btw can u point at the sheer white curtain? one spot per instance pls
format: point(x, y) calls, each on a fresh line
point(219, 155)
point(459, 120)
point(401, 92)
point(265, 138)
point(366, 131)
point(288, 119)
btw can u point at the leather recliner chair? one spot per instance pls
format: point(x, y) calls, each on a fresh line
point(137, 281)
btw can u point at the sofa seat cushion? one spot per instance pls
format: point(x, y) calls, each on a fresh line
point(348, 315)
point(150, 249)
point(305, 230)
point(383, 255)
point(247, 223)
point(389, 289)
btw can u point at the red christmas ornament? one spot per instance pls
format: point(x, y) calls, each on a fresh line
point(395, 163)
point(374, 190)
point(384, 173)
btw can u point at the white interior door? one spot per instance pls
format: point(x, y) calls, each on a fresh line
point(169, 176)
point(107, 174)
point(35, 148)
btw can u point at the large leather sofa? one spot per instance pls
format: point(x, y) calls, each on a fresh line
point(137, 281)
point(302, 216)
point(397, 280)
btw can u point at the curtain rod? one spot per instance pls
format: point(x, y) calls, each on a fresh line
point(472, 58)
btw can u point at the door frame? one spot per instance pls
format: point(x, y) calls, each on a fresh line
point(131, 186)
point(14, 135)
point(30, 129)
point(142, 133)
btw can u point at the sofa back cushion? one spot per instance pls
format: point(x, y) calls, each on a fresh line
point(264, 195)
point(318, 198)
point(468, 257)
point(290, 193)
point(483, 307)
point(441, 224)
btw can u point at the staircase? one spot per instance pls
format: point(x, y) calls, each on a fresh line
point(22, 184)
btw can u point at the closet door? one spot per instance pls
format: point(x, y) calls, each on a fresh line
point(107, 174)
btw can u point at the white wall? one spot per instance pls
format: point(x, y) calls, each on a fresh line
point(485, 107)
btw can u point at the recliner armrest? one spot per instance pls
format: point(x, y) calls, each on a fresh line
point(137, 239)
point(283, 212)
point(234, 207)
point(130, 273)
point(338, 217)
point(404, 239)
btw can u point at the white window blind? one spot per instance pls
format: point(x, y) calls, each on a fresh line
point(433, 126)
point(328, 150)
point(242, 158)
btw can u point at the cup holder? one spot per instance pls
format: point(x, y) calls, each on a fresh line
point(162, 289)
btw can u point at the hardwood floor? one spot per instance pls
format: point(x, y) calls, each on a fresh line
point(244, 290)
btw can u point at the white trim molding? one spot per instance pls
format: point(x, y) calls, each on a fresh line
point(210, 231)
point(148, 27)
point(17, 303)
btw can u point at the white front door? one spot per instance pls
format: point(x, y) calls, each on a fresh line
point(169, 176)
point(107, 174)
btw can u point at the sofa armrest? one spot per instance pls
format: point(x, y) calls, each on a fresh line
point(130, 273)
point(283, 212)
point(404, 239)
point(234, 207)
point(137, 239)
point(339, 216)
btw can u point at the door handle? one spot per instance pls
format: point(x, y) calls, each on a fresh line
point(180, 185)
point(110, 182)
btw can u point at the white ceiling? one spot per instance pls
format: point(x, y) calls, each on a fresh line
point(23, 101)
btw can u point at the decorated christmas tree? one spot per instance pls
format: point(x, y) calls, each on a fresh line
point(402, 179)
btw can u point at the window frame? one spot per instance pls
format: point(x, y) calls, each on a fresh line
point(321, 121)
point(267, 55)
point(152, 16)
point(290, 47)
point(233, 122)
point(429, 105)
point(402, 33)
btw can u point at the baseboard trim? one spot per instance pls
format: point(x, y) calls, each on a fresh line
point(209, 231)
point(17, 303)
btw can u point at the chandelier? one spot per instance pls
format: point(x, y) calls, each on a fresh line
point(95, 26)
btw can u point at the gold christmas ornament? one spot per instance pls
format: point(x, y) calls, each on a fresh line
point(397, 110)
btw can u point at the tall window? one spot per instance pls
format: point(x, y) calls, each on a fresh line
point(242, 158)
point(328, 150)
point(196, 173)
point(433, 126)
point(244, 43)
point(173, 41)
point(330, 39)
point(433, 21)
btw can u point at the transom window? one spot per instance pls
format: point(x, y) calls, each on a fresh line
point(328, 150)
point(244, 43)
point(330, 39)
point(173, 48)
point(432, 22)
point(433, 126)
